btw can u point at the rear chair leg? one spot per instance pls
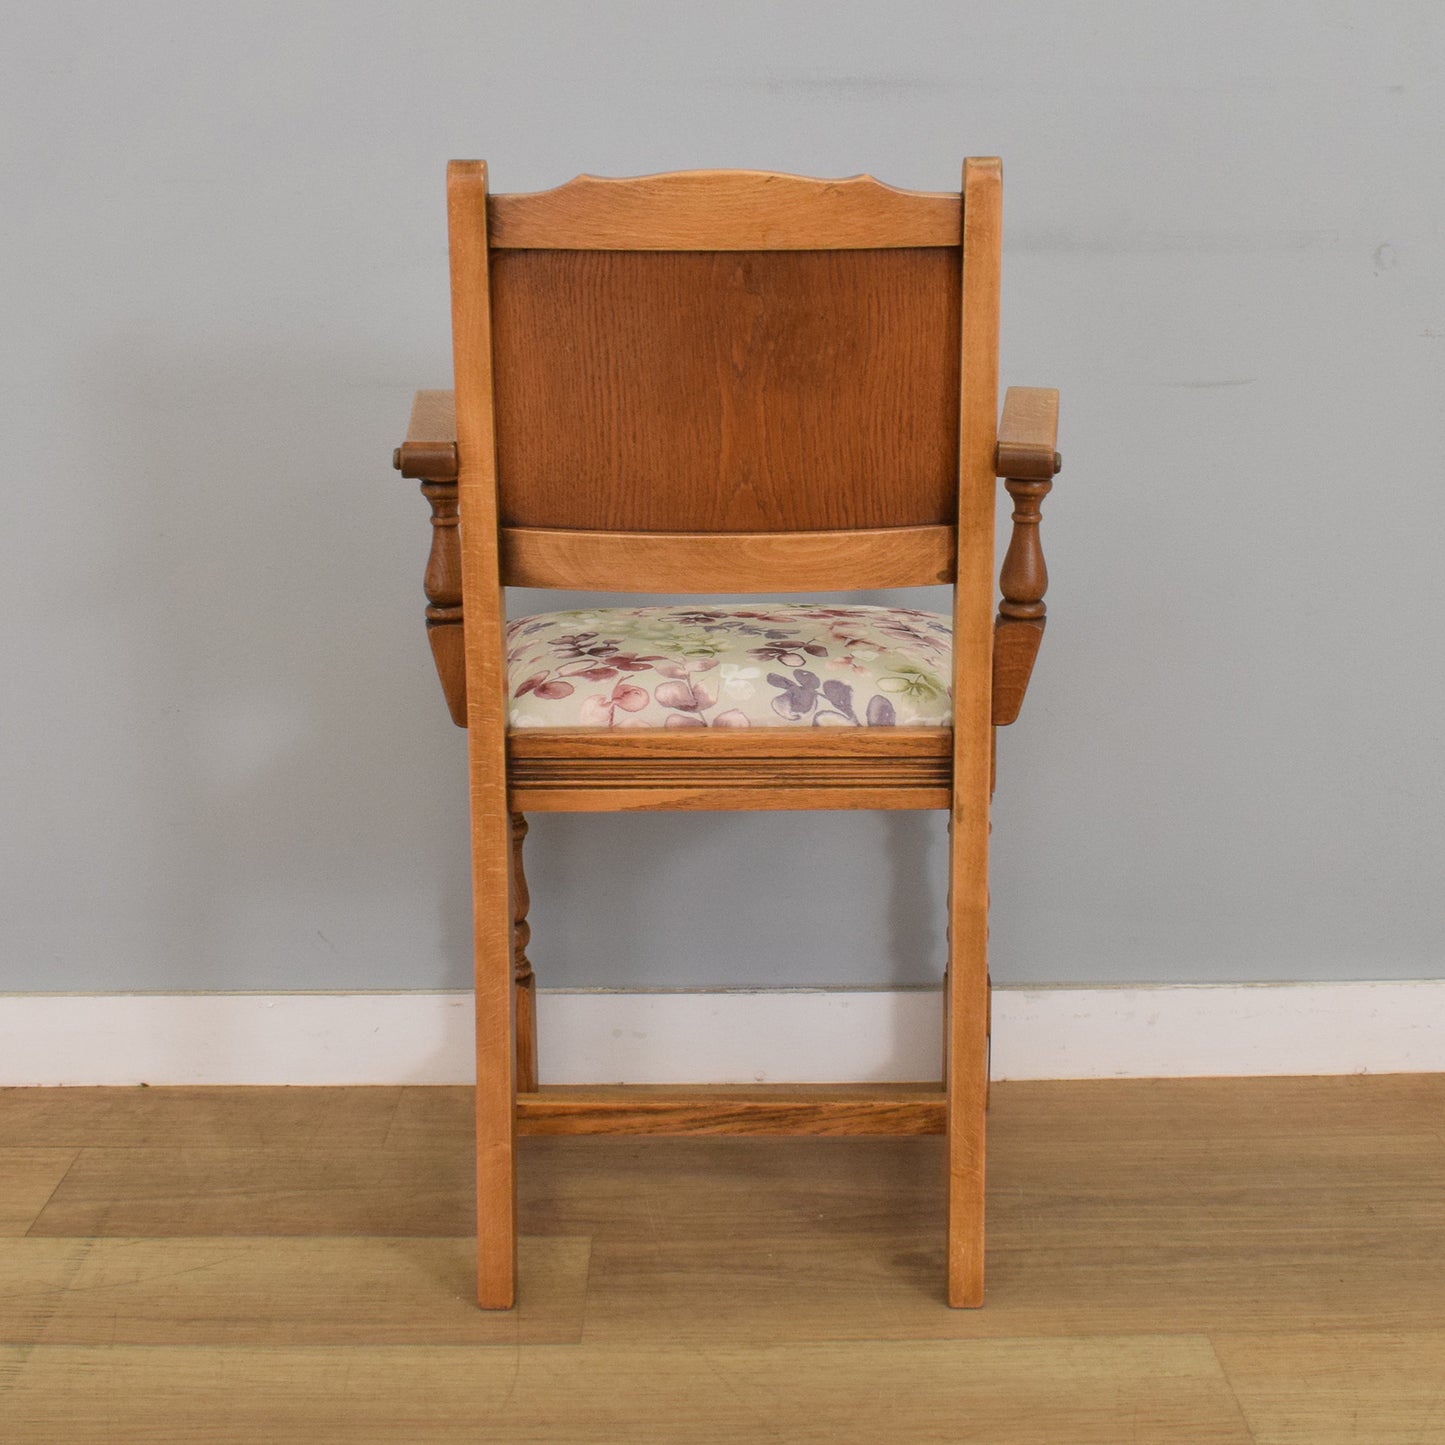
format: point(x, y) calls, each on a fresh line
point(496, 1058)
point(966, 1007)
point(523, 978)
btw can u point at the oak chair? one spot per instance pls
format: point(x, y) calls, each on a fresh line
point(726, 381)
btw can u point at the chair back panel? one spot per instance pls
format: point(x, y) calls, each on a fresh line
point(726, 390)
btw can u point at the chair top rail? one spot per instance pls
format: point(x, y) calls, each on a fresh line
point(724, 210)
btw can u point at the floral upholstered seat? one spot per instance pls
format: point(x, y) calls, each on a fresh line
point(764, 665)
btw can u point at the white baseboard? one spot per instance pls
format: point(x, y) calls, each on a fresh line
point(700, 1036)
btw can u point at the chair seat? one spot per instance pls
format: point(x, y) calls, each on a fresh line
point(764, 665)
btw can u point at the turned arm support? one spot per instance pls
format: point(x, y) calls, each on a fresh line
point(429, 455)
point(1027, 462)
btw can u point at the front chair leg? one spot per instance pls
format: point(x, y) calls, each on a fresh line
point(523, 978)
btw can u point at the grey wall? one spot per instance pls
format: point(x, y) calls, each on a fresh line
point(224, 762)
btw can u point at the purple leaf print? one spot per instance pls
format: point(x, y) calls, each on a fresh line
point(799, 697)
point(880, 712)
point(789, 653)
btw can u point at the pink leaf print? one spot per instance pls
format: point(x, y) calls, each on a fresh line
point(538, 684)
point(595, 712)
point(675, 694)
point(600, 710)
point(687, 669)
point(681, 720)
point(732, 718)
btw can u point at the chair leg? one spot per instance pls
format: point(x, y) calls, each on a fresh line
point(966, 1065)
point(524, 979)
point(496, 1060)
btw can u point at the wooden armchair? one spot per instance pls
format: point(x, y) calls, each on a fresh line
point(742, 382)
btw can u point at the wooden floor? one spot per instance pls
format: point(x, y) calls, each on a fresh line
point(1180, 1261)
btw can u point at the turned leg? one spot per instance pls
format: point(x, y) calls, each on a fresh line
point(525, 980)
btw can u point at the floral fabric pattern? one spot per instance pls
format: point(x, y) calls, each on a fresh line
point(767, 665)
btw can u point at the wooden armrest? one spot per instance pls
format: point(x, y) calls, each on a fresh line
point(429, 452)
point(1027, 434)
point(1027, 461)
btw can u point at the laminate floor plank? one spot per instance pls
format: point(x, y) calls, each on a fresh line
point(1016, 1392)
point(191, 1191)
point(781, 1290)
point(1339, 1389)
point(433, 1117)
point(300, 1291)
point(200, 1275)
point(664, 1188)
point(216, 1118)
point(28, 1177)
point(1132, 1110)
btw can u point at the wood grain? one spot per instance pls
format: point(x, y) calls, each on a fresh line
point(1022, 1392)
point(706, 392)
point(723, 211)
point(1023, 580)
point(1015, 647)
point(1101, 1112)
point(729, 353)
point(1082, 1240)
point(429, 452)
point(28, 1178)
point(595, 561)
point(591, 770)
point(304, 1189)
point(443, 585)
point(1341, 1388)
point(753, 1288)
point(180, 1118)
point(486, 689)
point(248, 1290)
point(779, 747)
point(1028, 433)
point(524, 980)
point(711, 794)
point(794, 1110)
point(966, 995)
